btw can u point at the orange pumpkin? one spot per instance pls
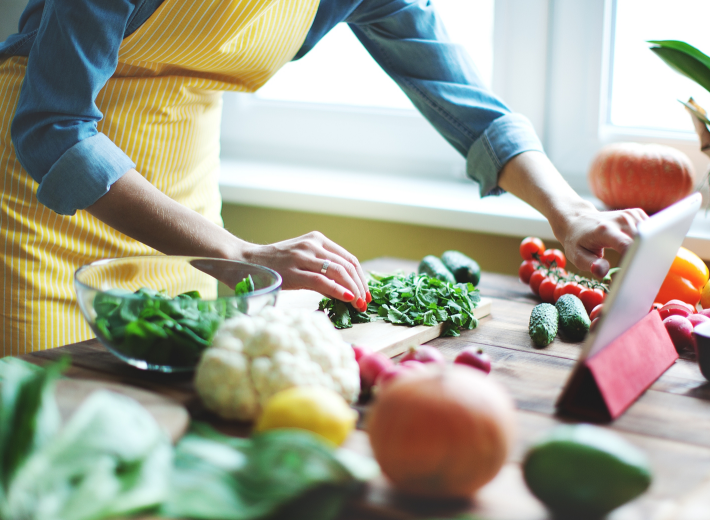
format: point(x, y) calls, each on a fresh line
point(441, 432)
point(646, 176)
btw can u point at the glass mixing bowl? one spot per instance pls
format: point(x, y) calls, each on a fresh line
point(160, 312)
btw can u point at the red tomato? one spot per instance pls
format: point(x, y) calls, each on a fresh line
point(572, 288)
point(554, 255)
point(596, 311)
point(558, 291)
point(591, 298)
point(531, 245)
point(535, 280)
point(526, 269)
point(547, 289)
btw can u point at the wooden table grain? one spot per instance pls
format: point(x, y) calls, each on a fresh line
point(670, 422)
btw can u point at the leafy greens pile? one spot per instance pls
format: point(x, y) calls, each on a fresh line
point(151, 326)
point(112, 459)
point(414, 299)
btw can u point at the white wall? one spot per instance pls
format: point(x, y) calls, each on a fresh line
point(10, 11)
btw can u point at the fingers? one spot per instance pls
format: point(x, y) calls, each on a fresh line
point(350, 261)
point(600, 267)
point(344, 275)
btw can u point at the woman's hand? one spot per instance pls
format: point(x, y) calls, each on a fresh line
point(300, 262)
point(583, 231)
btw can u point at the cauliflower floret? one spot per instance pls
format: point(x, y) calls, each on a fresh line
point(253, 357)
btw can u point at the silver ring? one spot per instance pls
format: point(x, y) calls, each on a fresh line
point(325, 267)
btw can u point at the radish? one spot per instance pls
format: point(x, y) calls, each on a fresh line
point(370, 367)
point(424, 354)
point(390, 373)
point(476, 358)
point(360, 351)
point(680, 330)
point(697, 319)
point(705, 312)
point(676, 308)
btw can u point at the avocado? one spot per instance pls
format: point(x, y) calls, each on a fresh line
point(543, 324)
point(435, 268)
point(464, 268)
point(584, 471)
point(573, 319)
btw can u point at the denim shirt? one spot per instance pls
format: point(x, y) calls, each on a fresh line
point(72, 48)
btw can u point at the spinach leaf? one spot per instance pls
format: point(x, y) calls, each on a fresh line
point(276, 474)
point(414, 299)
point(245, 286)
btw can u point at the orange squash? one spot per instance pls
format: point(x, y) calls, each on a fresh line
point(441, 432)
point(646, 176)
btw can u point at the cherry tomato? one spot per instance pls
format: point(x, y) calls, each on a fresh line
point(554, 255)
point(531, 245)
point(572, 288)
point(547, 289)
point(526, 269)
point(558, 291)
point(596, 311)
point(535, 280)
point(591, 298)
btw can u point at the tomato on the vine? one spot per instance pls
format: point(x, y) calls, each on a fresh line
point(553, 255)
point(547, 289)
point(591, 298)
point(535, 280)
point(526, 269)
point(572, 288)
point(558, 291)
point(530, 246)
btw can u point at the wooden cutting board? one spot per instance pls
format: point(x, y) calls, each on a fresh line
point(380, 336)
point(172, 417)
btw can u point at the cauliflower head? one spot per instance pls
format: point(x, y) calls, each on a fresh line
point(253, 357)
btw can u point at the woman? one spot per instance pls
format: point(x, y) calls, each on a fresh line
point(109, 111)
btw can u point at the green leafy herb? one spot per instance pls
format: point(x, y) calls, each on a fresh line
point(276, 474)
point(110, 459)
point(414, 299)
point(150, 326)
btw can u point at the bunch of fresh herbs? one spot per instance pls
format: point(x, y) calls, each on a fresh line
point(414, 299)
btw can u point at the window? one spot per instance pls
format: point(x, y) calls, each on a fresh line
point(580, 71)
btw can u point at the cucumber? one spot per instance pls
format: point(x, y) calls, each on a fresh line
point(465, 269)
point(435, 268)
point(573, 322)
point(543, 324)
point(584, 471)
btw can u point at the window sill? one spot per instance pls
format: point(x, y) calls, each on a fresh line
point(447, 202)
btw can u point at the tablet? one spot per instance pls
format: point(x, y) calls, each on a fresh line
point(643, 268)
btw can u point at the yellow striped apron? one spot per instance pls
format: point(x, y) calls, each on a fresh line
point(162, 107)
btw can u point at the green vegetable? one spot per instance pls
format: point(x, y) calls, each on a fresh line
point(150, 326)
point(543, 324)
point(464, 269)
point(573, 318)
point(290, 473)
point(411, 300)
point(613, 272)
point(584, 471)
point(111, 458)
point(434, 267)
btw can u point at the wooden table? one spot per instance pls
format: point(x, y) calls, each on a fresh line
point(671, 421)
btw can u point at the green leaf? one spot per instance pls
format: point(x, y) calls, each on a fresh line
point(245, 286)
point(685, 59)
point(697, 113)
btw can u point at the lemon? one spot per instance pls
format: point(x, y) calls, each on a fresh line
point(314, 408)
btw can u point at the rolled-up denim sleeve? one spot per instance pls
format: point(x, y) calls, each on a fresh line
point(408, 40)
point(54, 129)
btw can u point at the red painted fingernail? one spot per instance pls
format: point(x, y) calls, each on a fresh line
point(359, 303)
point(368, 297)
point(348, 295)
